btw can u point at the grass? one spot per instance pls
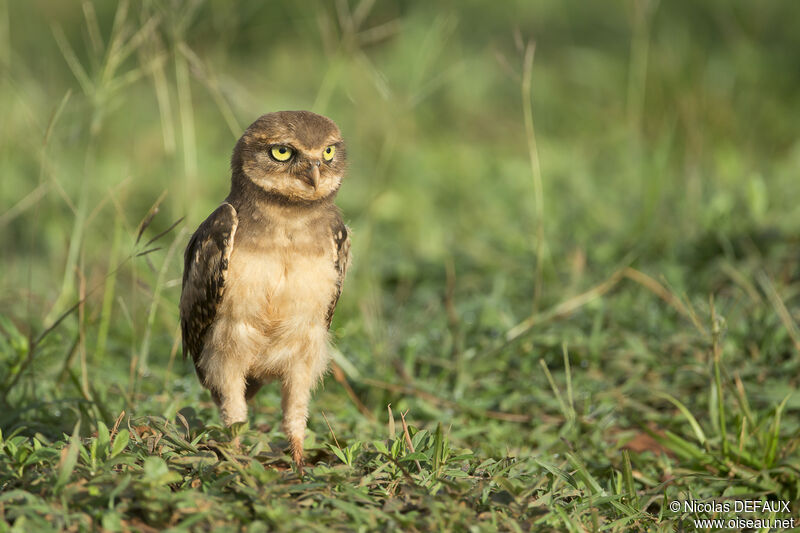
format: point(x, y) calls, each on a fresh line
point(574, 296)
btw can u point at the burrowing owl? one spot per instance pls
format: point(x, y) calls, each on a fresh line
point(262, 274)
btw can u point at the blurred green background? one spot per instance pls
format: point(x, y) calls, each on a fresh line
point(662, 133)
point(575, 246)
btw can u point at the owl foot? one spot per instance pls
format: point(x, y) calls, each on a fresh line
point(296, 446)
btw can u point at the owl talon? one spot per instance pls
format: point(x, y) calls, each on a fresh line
point(297, 457)
point(296, 448)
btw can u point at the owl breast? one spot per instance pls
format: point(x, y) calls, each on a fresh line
point(278, 290)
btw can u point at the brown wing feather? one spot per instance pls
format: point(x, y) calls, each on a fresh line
point(205, 265)
point(341, 241)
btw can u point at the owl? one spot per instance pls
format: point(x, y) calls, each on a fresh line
point(263, 273)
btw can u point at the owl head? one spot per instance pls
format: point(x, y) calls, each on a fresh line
point(292, 156)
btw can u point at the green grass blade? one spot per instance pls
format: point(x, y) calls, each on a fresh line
point(627, 472)
point(69, 458)
point(698, 431)
point(774, 434)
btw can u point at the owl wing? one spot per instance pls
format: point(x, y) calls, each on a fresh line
point(341, 243)
point(205, 266)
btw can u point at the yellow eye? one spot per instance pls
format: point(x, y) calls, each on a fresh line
point(329, 152)
point(281, 153)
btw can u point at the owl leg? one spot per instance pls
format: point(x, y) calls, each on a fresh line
point(296, 394)
point(231, 402)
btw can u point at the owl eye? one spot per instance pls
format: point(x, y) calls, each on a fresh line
point(281, 153)
point(328, 153)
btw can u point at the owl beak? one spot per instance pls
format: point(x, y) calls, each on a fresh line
point(312, 175)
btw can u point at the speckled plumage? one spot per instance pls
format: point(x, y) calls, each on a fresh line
point(263, 273)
